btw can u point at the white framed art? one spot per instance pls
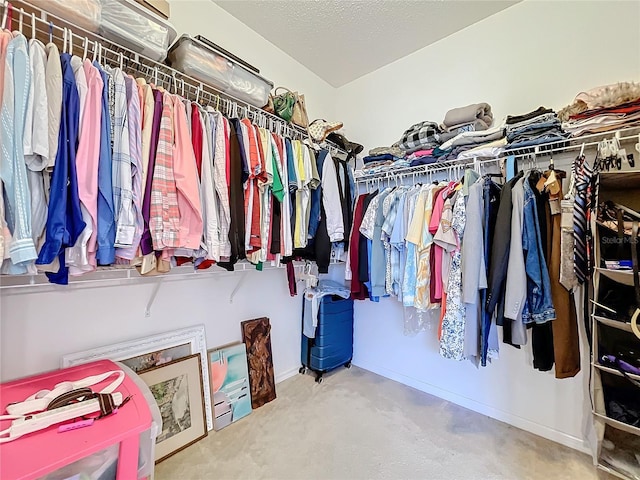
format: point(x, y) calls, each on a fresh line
point(158, 346)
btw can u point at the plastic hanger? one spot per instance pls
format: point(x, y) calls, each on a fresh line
point(86, 48)
point(21, 20)
point(33, 26)
point(5, 15)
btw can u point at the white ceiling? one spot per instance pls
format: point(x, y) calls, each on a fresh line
point(341, 40)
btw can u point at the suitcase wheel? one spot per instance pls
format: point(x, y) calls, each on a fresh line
point(319, 378)
point(303, 370)
point(347, 365)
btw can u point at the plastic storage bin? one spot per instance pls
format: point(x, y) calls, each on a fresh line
point(116, 447)
point(84, 13)
point(198, 60)
point(137, 28)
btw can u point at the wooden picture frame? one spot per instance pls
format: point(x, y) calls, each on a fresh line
point(133, 349)
point(178, 389)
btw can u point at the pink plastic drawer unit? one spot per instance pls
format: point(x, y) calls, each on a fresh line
point(90, 452)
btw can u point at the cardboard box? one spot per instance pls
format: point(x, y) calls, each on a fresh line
point(160, 7)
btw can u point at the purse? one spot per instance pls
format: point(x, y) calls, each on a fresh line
point(283, 104)
point(269, 106)
point(300, 116)
point(291, 106)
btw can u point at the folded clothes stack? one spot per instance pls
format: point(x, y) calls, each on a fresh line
point(383, 157)
point(601, 109)
point(533, 128)
point(383, 154)
point(392, 150)
point(377, 167)
point(422, 157)
point(472, 118)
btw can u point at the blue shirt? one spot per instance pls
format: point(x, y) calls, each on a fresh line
point(64, 219)
point(106, 237)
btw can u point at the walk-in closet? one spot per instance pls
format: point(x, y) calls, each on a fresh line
point(342, 239)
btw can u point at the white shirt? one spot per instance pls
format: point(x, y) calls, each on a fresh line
point(331, 200)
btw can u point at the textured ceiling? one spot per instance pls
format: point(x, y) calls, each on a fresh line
point(341, 40)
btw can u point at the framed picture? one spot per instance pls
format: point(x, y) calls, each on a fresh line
point(178, 389)
point(230, 392)
point(153, 351)
point(256, 335)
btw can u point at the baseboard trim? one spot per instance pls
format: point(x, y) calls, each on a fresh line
point(506, 417)
point(286, 374)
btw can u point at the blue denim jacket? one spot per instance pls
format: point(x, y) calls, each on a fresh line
point(540, 305)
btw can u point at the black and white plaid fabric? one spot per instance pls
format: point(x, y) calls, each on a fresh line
point(424, 134)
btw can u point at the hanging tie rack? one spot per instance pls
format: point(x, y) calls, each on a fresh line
point(36, 23)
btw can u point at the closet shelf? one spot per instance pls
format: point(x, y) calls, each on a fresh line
point(621, 276)
point(49, 26)
point(571, 144)
point(114, 276)
point(625, 427)
point(614, 371)
point(614, 323)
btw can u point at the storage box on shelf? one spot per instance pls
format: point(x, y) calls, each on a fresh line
point(610, 329)
point(128, 23)
point(208, 65)
point(118, 446)
point(122, 21)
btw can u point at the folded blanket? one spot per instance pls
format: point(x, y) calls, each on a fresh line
point(513, 119)
point(421, 135)
point(393, 150)
point(468, 114)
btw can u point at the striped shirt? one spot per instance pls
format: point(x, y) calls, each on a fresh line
point(164, 217)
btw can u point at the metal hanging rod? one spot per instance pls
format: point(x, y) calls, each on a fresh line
point(586, 141)
point(35, 22)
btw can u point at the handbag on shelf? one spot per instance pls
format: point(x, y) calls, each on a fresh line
point(291, 106)
point(269, 108)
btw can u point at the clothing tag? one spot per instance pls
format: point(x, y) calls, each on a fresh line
point(124, 235)
point(554, 205)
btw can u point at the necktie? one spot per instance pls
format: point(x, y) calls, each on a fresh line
point(580, 219)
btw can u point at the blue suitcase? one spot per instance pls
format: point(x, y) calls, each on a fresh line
point(332, 346)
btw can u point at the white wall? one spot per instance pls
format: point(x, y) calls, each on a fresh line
point(203, 17)
point(37, 328)
point(531, 54)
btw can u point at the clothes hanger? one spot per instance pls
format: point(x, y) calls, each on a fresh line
point(5, 15)
point(33, 26)
point(86, 48)
point(21, 20)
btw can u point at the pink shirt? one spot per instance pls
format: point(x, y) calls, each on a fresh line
point(187, 183)
point(87, 161)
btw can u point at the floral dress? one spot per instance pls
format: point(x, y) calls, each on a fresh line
point(453, 323)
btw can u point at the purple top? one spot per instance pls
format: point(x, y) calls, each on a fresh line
point(146, 243)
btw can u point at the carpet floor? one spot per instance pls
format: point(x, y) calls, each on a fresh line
point(359, 425)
